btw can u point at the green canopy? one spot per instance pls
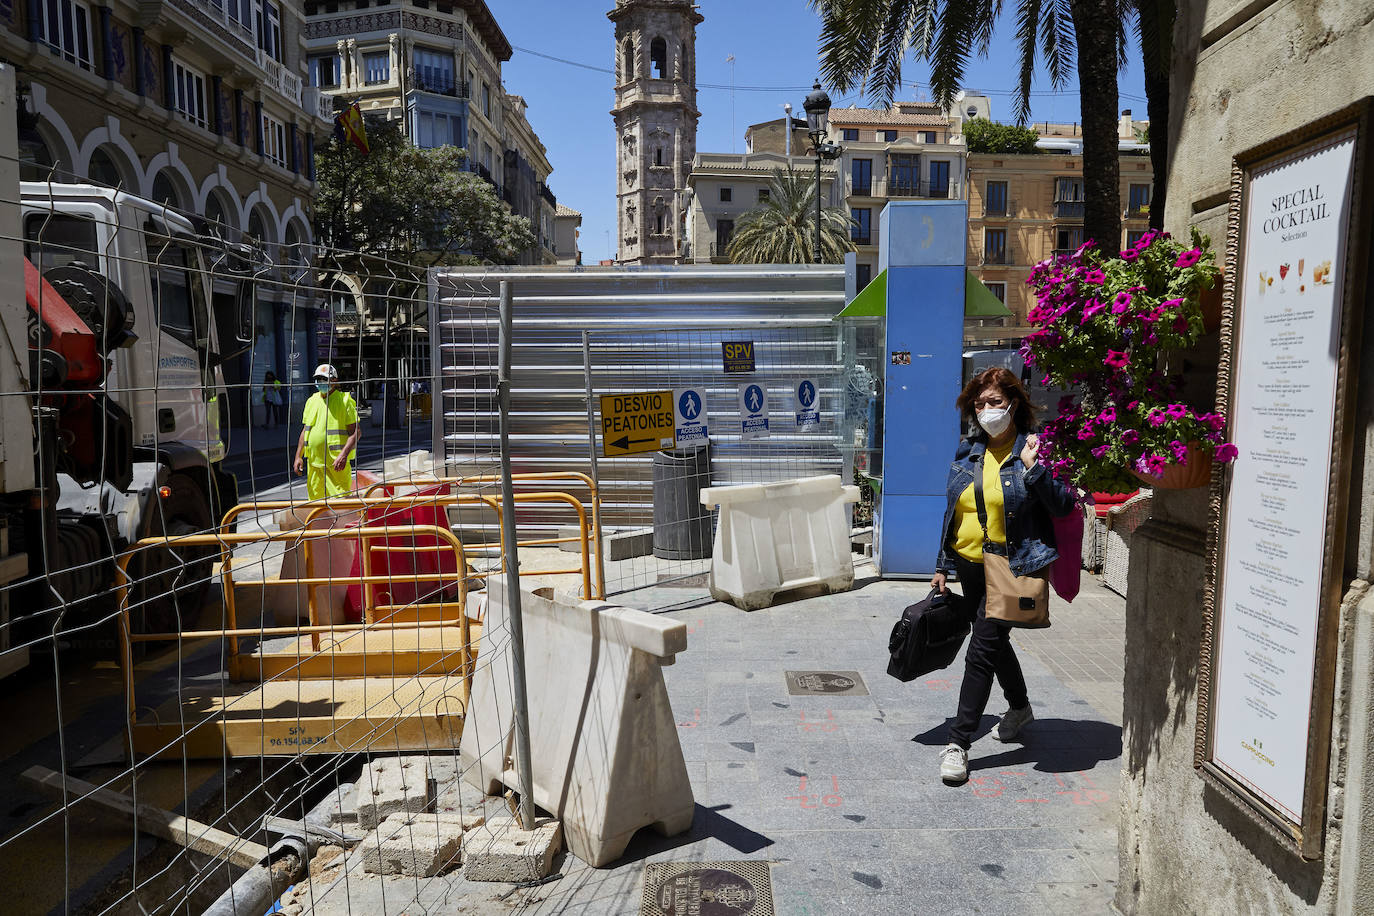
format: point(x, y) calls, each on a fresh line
point(979, 302)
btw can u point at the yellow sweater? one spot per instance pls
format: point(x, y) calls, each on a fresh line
point(968, 534)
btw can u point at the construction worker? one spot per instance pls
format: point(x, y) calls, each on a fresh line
point(329, 434)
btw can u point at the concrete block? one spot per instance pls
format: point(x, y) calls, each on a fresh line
point(418, 845)
point(503, 852)
point(615, 545)
point(775, 537)
point(606, 756)
point(391, 785)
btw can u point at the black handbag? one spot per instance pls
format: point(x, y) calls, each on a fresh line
point(928, 637)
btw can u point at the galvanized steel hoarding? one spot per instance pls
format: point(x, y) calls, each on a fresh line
point(552, 309)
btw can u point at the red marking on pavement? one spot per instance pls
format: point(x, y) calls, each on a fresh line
point(692, 627)
point(693, 722)
point(832, 800)
point(939, 683)
point(829, 725)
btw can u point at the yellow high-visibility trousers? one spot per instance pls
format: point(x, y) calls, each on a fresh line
point(323, 481)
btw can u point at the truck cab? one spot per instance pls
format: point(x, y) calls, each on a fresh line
point(170, 380)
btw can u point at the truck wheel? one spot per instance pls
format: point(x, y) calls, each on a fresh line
point(172, 583)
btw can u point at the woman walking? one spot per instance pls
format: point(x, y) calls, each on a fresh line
point(1019, 497)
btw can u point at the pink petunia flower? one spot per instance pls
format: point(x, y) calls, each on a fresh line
point(1095, 276)
point(1177, 411)
point(1130, 437)
point(1121, 303)
point(1107, 416)
point(1226, 452)
point(1130, 254)
point(1157, 417)
point(1117, 359)
point(1100, 450)
point(1092, 308)
point(1180, 450)
point(1188, 258)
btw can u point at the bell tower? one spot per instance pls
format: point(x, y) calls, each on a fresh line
point(655, 124)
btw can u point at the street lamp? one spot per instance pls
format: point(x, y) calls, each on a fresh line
point(817, 106)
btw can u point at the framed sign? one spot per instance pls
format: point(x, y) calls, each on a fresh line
point(1298, 241)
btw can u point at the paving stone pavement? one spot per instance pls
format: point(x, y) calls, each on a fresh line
point(842, 793)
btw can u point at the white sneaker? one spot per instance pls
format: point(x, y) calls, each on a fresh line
point(953, 763)
point(1013, 720)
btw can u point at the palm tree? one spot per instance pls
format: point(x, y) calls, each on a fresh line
point(864, 42)
point(782, 229)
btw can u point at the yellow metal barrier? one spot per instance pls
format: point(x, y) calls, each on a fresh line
point(237, 728)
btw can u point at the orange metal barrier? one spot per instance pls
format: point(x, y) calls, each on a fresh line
point(546, 476)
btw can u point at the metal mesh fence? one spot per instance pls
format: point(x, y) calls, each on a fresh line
point(213, 675)
point(777, 418)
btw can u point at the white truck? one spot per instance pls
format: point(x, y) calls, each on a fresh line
point(111, 398)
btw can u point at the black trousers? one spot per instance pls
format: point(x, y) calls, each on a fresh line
point(989, 654)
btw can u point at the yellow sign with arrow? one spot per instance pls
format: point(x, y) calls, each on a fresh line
point(633, 423)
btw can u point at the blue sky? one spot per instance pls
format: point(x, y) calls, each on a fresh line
point(775, 46)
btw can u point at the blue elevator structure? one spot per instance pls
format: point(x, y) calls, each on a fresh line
point(922, 247)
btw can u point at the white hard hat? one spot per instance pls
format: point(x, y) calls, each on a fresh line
point(326, 371)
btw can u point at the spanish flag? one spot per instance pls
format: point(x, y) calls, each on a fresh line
point(348, 124)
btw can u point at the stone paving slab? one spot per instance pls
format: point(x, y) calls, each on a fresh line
point(842, 793)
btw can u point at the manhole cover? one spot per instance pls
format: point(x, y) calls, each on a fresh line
point(707, 889)
point(826, 683)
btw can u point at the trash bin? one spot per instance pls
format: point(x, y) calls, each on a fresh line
point(682, 525)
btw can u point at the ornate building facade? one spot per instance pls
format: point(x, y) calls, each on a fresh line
point(656, 126)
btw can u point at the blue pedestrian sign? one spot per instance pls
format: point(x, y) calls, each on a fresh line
point(753, 411)
point(690, 407)
point(808, 408)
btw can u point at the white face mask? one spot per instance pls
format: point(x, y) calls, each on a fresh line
point(995, 420)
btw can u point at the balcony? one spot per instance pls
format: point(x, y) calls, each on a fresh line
point(999, 210)
point(548, 195)
point(1068, 209)
point(281, 80)
point(1137, 211)
point(857, 239)
point(318, 103)
point(438, 85)
point(904, 188)
point(996, 256)
point(862, 190)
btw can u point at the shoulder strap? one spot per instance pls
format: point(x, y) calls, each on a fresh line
point(978, 496)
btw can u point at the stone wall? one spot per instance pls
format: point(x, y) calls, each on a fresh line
point(1245, 72)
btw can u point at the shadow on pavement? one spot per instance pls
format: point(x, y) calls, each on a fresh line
point(1049, 745)
point(707, 823)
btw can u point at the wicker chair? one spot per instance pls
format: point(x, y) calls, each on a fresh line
point(1122, 521)
point(1094, 538)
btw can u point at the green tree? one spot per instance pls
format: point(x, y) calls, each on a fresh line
point(865, 41)
point(983, 136)
point(417, 206)
point(782, 229)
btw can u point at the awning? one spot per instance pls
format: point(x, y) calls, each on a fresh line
point(979, 301)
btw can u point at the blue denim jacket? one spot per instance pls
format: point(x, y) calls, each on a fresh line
point(1030, 499)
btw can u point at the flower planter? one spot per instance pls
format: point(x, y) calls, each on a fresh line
point(1196, 473)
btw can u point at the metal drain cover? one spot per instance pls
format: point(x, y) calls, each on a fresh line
point(826, 683)
point(707, 889)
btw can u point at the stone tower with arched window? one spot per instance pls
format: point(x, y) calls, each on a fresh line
point(656, 126)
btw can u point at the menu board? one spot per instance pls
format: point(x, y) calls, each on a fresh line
point(1284, 408)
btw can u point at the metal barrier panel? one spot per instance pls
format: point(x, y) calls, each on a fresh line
point(552, 309)
point(778, 420)
point(183, 699)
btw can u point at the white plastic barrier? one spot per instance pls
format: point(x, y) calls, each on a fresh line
point(772, 537)
point(605, 750)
